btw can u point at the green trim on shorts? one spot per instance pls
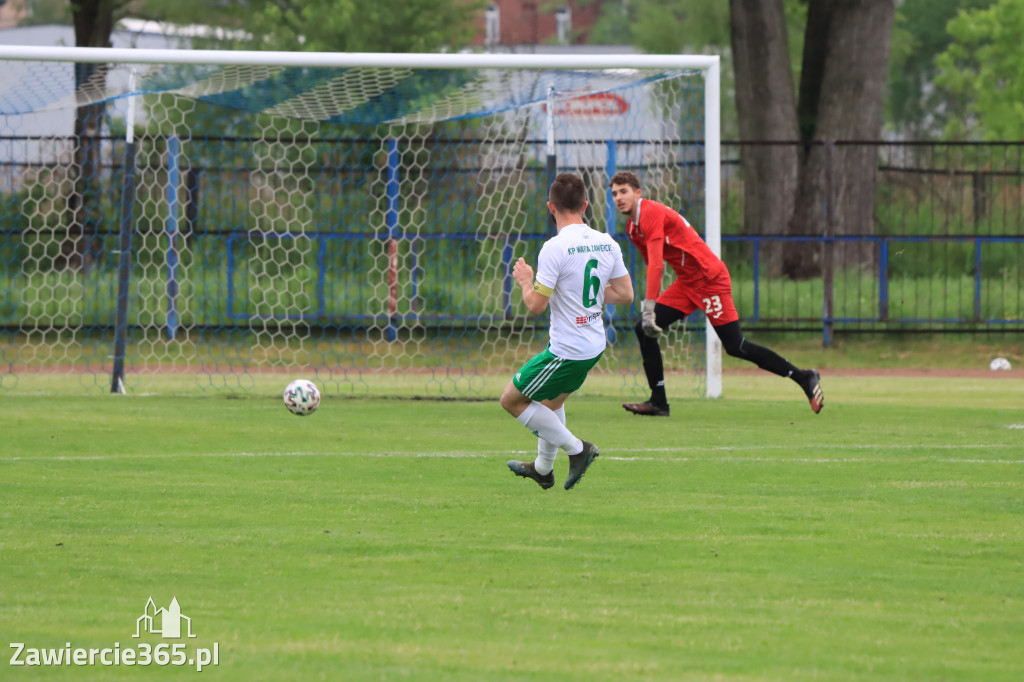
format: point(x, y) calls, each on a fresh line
point(546, 376)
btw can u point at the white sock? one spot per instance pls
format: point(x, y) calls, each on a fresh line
point(543, 423)
point(546, 450)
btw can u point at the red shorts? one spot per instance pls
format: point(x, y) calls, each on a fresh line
point(713, 296)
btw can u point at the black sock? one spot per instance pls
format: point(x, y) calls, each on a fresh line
point(770, 361)
point(736, 345)
point(654, 368)
point(650, 351)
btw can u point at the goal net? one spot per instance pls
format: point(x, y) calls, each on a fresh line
point(222, 220)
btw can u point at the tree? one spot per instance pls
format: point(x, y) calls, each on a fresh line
point(840, 101)
point(840, 98)
point(838, 51)
point(93, 22)
point(981, 71)
point(765, 109)
point(362, 25)
point(915, 108)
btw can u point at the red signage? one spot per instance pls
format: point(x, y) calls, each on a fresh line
point(597, 105)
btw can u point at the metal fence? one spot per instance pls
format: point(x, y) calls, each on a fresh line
point(944, 253)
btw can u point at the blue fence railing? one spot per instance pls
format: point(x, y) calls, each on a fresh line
point(874, 307)
point(752, 312)
point(956, 210)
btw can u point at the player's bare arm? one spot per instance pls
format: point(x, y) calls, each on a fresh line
point(619, 291)
point(535, 301)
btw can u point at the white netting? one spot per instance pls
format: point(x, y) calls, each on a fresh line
point(349, 224)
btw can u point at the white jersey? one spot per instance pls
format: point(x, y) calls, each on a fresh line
point(575, 267)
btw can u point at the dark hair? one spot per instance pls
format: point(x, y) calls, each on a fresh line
point(568, 193)
point(625, 178)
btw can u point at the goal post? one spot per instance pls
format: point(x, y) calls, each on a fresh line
point(343, 216)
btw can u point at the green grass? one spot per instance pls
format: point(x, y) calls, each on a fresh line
point(890, 352)
point(742, 539)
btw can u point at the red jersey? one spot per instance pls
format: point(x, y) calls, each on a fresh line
point(664, 236)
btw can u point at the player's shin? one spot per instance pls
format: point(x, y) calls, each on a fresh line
point(547, 451)
point(654, 366)
point(544, 423)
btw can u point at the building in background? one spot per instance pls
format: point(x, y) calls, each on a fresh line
point(12, 11)
point(515, 24)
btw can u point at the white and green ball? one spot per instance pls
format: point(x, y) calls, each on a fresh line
point(302, 397)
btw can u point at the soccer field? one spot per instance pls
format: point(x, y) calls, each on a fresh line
point(743, 539)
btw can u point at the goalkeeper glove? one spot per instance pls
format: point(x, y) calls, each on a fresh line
point(647, 318)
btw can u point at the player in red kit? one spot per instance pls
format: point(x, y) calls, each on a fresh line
point(663, 237)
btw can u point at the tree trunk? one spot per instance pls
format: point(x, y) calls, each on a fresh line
point(81, 248)
point(93, 20)
point(812, 69)
point(765, 108)
point(836, 194)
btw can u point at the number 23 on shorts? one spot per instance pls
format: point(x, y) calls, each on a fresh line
point(713, 307)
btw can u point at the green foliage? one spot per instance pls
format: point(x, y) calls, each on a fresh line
point(311, 25)
point(914, 106)
point(796, 22)
point(219, 15)
point(47, 12)
point(362, 25)
point(981, 70)
point(663, 26)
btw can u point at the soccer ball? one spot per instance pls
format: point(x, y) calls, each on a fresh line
point(302, 397)
point(998, 364)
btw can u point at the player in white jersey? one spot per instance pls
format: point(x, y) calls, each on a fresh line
point(578, 271)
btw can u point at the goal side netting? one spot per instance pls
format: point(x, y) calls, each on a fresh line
point(182, 219)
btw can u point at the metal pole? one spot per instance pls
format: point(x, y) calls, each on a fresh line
point(174, 213)
point(828, 257)
point(713, 211)
point(611, 163)
point(391, 221)
point(552, 160)
point(124, 247)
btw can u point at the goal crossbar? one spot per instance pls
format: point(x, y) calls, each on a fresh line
point(358, 59)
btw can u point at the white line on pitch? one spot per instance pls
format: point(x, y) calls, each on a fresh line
point(639, 457)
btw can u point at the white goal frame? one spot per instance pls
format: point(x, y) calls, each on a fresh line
point(708, 65)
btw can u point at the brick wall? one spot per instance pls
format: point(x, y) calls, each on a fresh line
point(533, 22)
